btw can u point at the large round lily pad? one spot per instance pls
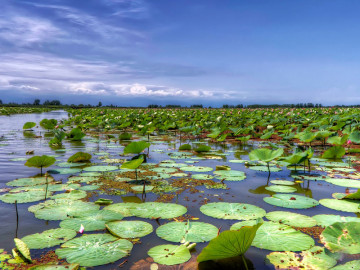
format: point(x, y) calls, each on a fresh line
point(196, 169)
point(62, 208)
point(231, 175)
point(240, 211)
point(342, 237)
point(31, 181)
point(292, 219)
point(280, 237)
point(123, 208)
point(187, 231)
point(169, 254)
point(91, 220)
point(352, 265)
point(291, 201)
point(343, 182)
point(25, 197)
point(129, 229)
point(158, 210)
point(72, 195)
point(282, 182)
point(281, 189)
point(94, 249)
point(101, 168)
point(327, 220)
point(49, 238)
point(341, 205)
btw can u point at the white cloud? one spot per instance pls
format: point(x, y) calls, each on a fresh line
point(23, 31)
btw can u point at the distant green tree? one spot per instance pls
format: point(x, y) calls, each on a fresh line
point(36, 102)
point(99, 104)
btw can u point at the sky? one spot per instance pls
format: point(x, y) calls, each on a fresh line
point(210, 52)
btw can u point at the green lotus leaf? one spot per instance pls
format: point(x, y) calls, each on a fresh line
point(291, 201)
point(140, 188)
point(265, 154)
point(334, 152)
point(123, 208)
point(89, 187)
point(40, 161)
point(29, 125)
point(72, 195)
point(281, 189)
point(344, 182)
point(75, 134)
point(292, 219)
point(352, 265)
point(158, 210)
point(196, 169)
point(185, 147)
point(229, 244)
point(25, 197)
point(337, 140)
point(79, 157)
point(136, 147)
point(48, 123)
point(327, 220)
point(314, 258)
point(102, 201)
point(91, 220)
point(282, 182)
point(187, 232)
point(279, 237)
point(231, 175)
point(69, 165)
point(169, 254)
point(251, 222)
point(239, 211)
point(265, 168)
point(62, 208)
point(94, 249)
point(132, 164)
point(49, 238)
point(65, 171)
point(202, 148)
point(355, 136)
point(23, 249)
point(129, 229)
point(342, 237)
point(125, 136)
point(202, 176)
point(101, 168)
point(164, 170)
point(341, 205)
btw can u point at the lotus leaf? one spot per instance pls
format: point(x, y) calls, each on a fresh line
point(129, 229)
point(136, 147)
point(282, 182)
point(341, 205)
point(79, 157)
point(280, 237)
point(169, 254)
point(94, 249)
point(342, 237)
point(352, 265)
point(29, 125)
point(23, 249)
point(196, 169)
point(239, 211)
point(24, 197)
point(72, 195)
point(123, 208)
point(327, 220)
point(49, 238)
point(344, 182)
point(187, 231)
point(266, 155)
point(281, 189)
point(292, 219)
point(101, 168)
point(334, 152)
point(158, 210)
point(291, 201)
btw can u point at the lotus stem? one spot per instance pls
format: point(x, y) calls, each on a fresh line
point(245, 264)
point(47, 183)
point(17, 218)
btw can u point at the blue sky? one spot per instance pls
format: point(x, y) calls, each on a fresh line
point(214, 52)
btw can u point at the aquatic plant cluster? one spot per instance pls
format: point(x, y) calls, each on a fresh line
point(138, 169)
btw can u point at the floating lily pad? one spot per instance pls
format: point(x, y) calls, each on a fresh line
point(31, 181)
point(342, 237)
point(65, 171)
point(91, 220)
point(140, 188)
point(158, 210)
point(123, 208)
point(352, 265)
point(279, 237)
point(344, 182)
point(49, 238)
point(94, 249)
point(327, 220)
point(129, 229)
point(281, 189)
point(69, 165)
point(196, 169)
point(187, 231)
point(282, 182)
point(202, 176)
point(292, 219)
point(72, 195)
point(101, 168)
point(291, 201)
point(25, 197)
point(170, 254)
point(341, 205)
point(231, 175)
point(239, 225)
point(240, 211)
point(164, 170)
point(265, 168)
point(62, 208)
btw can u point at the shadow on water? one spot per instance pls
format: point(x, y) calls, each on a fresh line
point(234, 263)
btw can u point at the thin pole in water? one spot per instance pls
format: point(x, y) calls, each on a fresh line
point(17, 219)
